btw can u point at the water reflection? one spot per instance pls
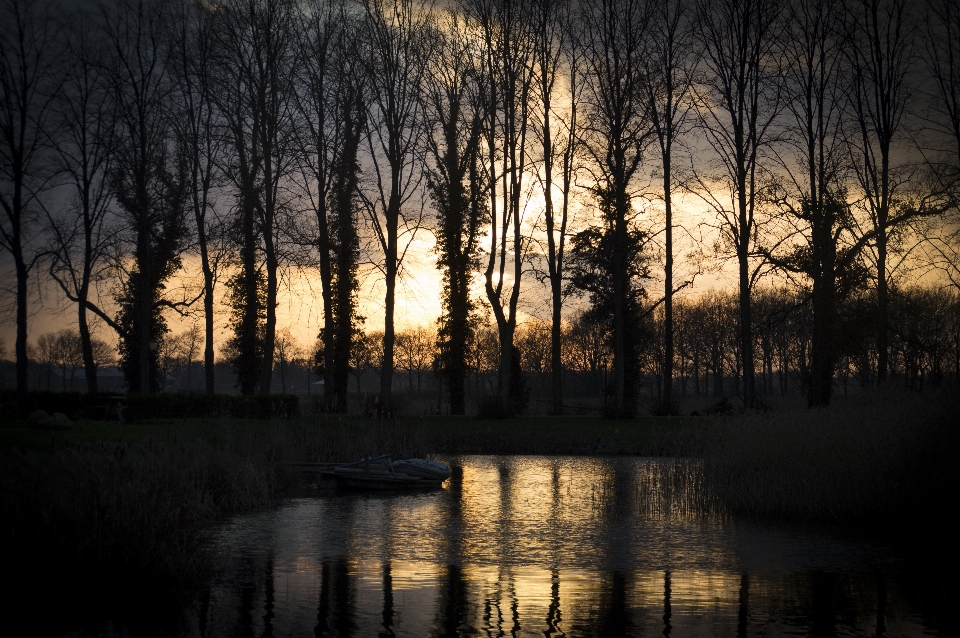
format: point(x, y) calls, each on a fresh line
point(532, 546)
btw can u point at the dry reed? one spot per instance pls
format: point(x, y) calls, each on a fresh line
point(887, 457)
point(113, 510)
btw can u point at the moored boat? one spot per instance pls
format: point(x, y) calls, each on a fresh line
point(382, 473)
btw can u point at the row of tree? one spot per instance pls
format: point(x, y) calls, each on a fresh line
point(924, 350)
point(257, 136)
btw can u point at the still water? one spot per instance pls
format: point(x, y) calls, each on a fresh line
point(553, 546)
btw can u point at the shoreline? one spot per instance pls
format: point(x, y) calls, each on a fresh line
point(135, 499)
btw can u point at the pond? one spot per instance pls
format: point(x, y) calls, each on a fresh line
point(555, 546)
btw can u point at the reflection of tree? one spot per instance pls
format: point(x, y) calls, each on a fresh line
point(337, 604)
point(452, 607)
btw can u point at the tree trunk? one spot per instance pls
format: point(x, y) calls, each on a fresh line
point(86, 348)
point(883, 309)
point(21, 343)
point(667, 403)
point(208, 360)
point(247, 340)
point(270, 325)
point(389, 336)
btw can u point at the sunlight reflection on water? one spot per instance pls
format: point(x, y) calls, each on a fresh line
point(543, 546)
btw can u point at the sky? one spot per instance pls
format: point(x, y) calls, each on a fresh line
point(301, 310)
point(418, 294)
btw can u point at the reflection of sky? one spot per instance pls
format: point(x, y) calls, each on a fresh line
point(535, 546)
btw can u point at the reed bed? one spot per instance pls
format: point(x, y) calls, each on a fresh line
point(882, 457)
point(113, 510)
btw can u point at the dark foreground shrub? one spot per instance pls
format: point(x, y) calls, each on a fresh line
point(490, 408)
point(141, 510)
point(21, 406)
point(123, 509)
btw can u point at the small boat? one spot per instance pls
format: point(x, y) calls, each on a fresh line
point(382, 473)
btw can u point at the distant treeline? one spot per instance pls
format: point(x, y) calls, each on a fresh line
point(543, 144)
point(924, 352)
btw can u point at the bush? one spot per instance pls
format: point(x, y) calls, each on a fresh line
point(20, 406)
point(490, 408)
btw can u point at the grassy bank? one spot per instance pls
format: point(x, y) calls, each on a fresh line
point(650, 436)
point(339, 438)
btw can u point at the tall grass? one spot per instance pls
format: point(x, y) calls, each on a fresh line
point(119, 509)
point(883, 457)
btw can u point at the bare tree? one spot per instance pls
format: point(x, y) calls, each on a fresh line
point(103, 353)
point(455, 102)
point(29, 54)
point(287, 354)
point(184, 349)
point(365, 354)
point(673, 54)
point(147, 180)
point(558, 57)
point(45, 354)
point(819, 239)
point(819, 224)
point(740, 102)
point(197, 123)
point(396, 35)
point(943, 63)
point(255, 47)
point(331, 120)
point(509, 66)
point(62, 350)
point(881, 56)
point(415, 351)
point(82, 233)
point(617, 132)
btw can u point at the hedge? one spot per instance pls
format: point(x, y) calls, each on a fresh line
point(138, 407)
